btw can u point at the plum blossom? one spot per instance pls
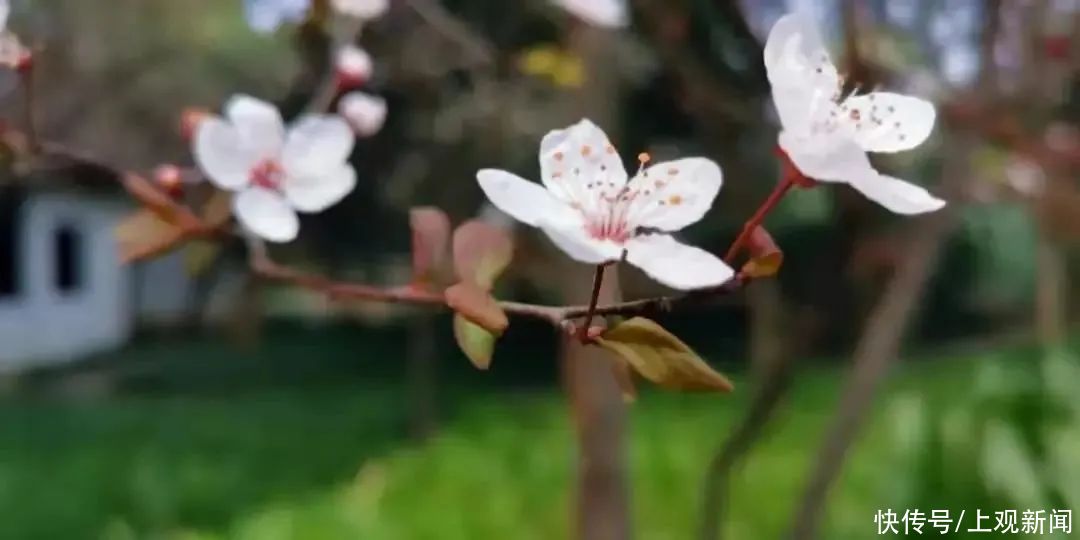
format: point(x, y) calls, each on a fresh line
point(827, 135)
point(266, 16)
point(602, 13)
point(365, 113)
point(362, 9)
point(275, 172)
point(591, 211)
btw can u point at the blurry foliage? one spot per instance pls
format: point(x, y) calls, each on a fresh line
point(1009, 441)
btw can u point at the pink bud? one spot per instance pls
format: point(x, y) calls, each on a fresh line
point(364, 112)
point(354, 67)
point(169, 177)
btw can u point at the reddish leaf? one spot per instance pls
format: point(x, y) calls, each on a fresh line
point(477, 343)
point(477, 306)
point(481, 253)
point(144, 234)
point(765, 256)
point(430, 239)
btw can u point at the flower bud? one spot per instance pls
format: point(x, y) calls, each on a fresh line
point(354, 67)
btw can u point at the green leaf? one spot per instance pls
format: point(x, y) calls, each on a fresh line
point(477, 343)
point(477, 306)
point(660, 357)
point(481, 253)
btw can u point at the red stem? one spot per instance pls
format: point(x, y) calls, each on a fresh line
point(770, 203)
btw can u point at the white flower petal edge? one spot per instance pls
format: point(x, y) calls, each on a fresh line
point(364, 112)
point(525, 201)
point(826, 135)
point(362, 9)
point(897, 195)
point(222, 155)
point(317, 144)
point(675, 264)
point(589, 209)
point(266, 214)
point(693, 182)
point(262, 131)
point(602, 13)
point(5, 11)
point(315, 194)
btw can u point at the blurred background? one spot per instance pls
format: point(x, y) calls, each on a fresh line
point(181, 399)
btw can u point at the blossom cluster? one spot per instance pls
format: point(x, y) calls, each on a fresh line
point(586, 203)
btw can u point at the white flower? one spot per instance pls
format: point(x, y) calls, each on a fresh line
point(827, 135)
point(603, 13)
point(362, 9)
point(275, 173)
point(353, 64)
point(364, 112)
point(267, 15)
point(589, 209)
point(5, 11)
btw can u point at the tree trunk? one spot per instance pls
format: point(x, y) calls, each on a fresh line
point(602, 497)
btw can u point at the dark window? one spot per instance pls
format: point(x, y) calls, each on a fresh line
point(10, 201)
point(69, 264)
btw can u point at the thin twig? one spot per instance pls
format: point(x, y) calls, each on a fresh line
point(26, 73)
point(756, 220)
point(436, 16)
point(598, 281)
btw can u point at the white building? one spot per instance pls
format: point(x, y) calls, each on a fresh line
point(63, 293)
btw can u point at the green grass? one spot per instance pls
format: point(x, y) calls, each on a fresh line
point(309, 456)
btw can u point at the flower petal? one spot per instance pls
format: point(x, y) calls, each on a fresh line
point(671, 195)
point(575, 242)
point(317, 145)
point(266, 214)
point(259, 123)
point(831, 157)
point(897, 195)
point(364, 112)
point(602, 13)
point(362, 9)
point(315, 194)
point(803, 78)
point(5, 11)
point(354, 63)
point(221, 154)
point(578, 163)
point(888, 122)
point(525, 201)
point(675, 264)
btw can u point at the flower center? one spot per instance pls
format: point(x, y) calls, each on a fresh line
point(267, 174)
point(613, 213)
